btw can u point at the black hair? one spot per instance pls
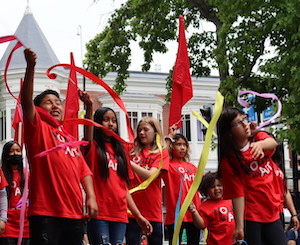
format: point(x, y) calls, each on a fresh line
point(122, 169)
point(226, 144)
point(8, 171)
point(208, 182)
point(38, 99)
point(176, 138)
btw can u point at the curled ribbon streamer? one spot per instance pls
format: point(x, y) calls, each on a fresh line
point(201, 165)
point(148, 181)
point(100, 82)
point(62, 146)
point(18, 45)
point(24, 203)
point(264, 95)
point(203, 121)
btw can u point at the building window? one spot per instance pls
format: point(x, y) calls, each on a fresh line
point(201, 130)
point(186, 126)
point(133, 116)
point(159, 118)
point(147, 114)
point(3, 125)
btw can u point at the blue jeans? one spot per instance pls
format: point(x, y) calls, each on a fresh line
point(106, 232)
point(134, 233)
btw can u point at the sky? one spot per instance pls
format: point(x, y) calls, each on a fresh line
point(70, 24)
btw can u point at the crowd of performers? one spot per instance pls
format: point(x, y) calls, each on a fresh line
point(242, 202)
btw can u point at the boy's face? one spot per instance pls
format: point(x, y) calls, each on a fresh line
point(216, 191)
point(53, 106)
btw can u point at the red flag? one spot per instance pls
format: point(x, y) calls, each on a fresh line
point(182, 90)
point(72, 101)
point(17, 122)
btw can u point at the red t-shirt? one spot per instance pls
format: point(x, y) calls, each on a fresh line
point(149, 201)
point(219, 220)
point(110, 192)
point(282, 186)
point(179, 172)
point(55, 178)
point(12, 226)
point(260, 188)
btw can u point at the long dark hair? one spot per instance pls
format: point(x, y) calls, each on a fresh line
point(227, 146)
point(8, 171)
point(122, 169)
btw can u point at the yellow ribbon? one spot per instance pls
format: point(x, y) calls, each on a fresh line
point(201, 166)
point(148, 181)
point(203, 121)
point(81, 114)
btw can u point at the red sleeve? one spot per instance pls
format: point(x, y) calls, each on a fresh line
point(232, 184)
point(3, 182)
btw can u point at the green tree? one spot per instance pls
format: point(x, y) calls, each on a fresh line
point(238, 45)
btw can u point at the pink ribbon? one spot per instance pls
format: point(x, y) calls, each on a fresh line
point(23, 203)
point(18, 45)
point(264, 95)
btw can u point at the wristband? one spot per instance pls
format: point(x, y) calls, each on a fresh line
point(294, 215)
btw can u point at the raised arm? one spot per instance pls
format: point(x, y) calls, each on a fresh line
point(170, 136)
point(27, 88)
point(88, 130)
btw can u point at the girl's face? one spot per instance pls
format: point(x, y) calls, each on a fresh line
point(146, 134)
point(216, 191)
point(179, 149)
point(240, 128)
point(15, 150)
point(110, 122)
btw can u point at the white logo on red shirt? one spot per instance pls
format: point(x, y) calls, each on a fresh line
point(260, 170)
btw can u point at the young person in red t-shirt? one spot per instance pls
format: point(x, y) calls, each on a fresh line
point(12, 166)
point(181, 174)
point(248, 177)
point(145, 161)
point(55, 198)
point(215, 214)
point(110, 165)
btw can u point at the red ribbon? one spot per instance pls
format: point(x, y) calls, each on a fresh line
point(18, 45)
point(97, 80)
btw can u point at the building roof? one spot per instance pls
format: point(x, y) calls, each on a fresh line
point(31, 35)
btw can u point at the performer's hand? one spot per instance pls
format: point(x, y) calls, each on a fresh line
point(2, 227)
point(85, 98)
point(145, 225)
point(238, 234)
point(30, 58)
point(92, 208)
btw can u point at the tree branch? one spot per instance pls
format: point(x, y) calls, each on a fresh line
point(206, 10)
point(252, 64)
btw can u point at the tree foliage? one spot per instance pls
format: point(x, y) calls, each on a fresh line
point(238, 47)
